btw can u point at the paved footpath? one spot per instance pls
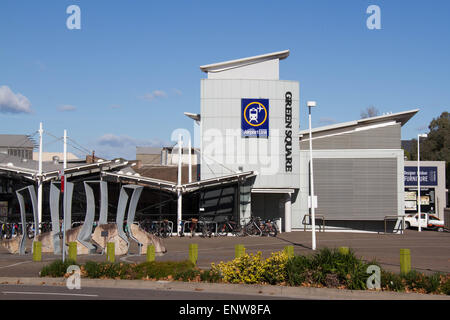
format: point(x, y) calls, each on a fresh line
point(430, 250)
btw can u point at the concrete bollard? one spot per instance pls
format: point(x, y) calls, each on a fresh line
point(37, 251)
point(193, 253)
point(344, 250)
point(405, 261)
point(239, 250)
point(150, 253)
point(73, 251)
point(110, 252)
point(289, 250)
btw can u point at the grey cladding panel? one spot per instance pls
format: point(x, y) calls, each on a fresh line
point(356, 189)
point(377, 138)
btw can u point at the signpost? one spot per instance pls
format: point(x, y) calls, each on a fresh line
point(61, 173)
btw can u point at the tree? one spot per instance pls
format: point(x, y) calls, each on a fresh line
point(369, 112)
point(436, 147)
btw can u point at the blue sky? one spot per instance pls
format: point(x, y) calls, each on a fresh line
point(132, 70)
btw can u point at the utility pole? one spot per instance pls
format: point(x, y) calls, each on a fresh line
point(63, 182)
point(179, 194)
point(38, 223)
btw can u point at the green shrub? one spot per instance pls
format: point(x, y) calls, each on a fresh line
point(57, 268)
point(391, 281)
point(445, 285)
point(433, 283)
point(210, 276)
point(187, 275)
point(420, 282)
point(159, 269)
point(298, 270)
point(328, 267)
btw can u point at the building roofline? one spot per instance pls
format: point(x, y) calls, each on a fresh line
point(245, 61)
point(401, 117)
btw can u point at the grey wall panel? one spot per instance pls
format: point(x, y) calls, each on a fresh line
point(388, 137)
point(356, 189)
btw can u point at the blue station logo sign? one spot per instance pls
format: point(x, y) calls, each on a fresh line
point(255, 117)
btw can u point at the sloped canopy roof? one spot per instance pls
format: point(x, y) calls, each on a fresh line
point(400, 117)
point(245, 61)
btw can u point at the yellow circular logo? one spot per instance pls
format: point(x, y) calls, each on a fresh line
point(254, 114)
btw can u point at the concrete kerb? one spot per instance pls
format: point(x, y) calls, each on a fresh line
point(264, 290)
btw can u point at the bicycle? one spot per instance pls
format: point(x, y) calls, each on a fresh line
point(269, 228)
point(6, 231)
point(208, 227)
point(229, 226)
point(252, 228)
point(163, 228)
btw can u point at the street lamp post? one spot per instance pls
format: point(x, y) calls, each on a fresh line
point(312, 104)
point(419, 213)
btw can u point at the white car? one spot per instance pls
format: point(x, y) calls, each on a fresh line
point(428, 221)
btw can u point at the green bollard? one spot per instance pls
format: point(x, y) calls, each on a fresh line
point(239, 251)
point(289, 250)
point(73, 251)
point(344, 250)
point(193, 253)
point(37, 251)
point(405, 261)
point(150, 253)
point(110, 252)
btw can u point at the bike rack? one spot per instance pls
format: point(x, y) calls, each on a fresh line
point(32, 192)
point(317, 216)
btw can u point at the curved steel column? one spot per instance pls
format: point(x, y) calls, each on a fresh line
point(68, 189)
point(54, 212)
point(32, 193)
point(85, 233)
point(123, 200)
point(103, 219)
point(132, 211)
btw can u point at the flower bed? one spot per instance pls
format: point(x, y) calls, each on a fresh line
point(326, 268)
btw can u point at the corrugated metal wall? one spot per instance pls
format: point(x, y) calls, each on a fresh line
point(356, 189)
point(377, 138)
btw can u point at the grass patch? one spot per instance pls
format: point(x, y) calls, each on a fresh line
point(56, 269)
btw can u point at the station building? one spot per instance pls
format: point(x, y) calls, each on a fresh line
point(250, 122)
point(253, 160)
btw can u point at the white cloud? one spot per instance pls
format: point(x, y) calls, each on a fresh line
point(67, 107)
point(11, 102)
point(177, 92)
point(155, 95)
point(122, 146)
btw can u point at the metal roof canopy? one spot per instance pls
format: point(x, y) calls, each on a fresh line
point(149, 182)
point(185, 188)
point(273, 190)
point(32, 174)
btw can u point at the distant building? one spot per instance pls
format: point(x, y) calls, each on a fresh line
point(52, 156)
point(17, 145)
point(165, 156)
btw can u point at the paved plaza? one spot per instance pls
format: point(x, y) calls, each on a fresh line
point(430, 250)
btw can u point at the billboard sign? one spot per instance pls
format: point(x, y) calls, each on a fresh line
point(428, 176)
point(255, 118)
